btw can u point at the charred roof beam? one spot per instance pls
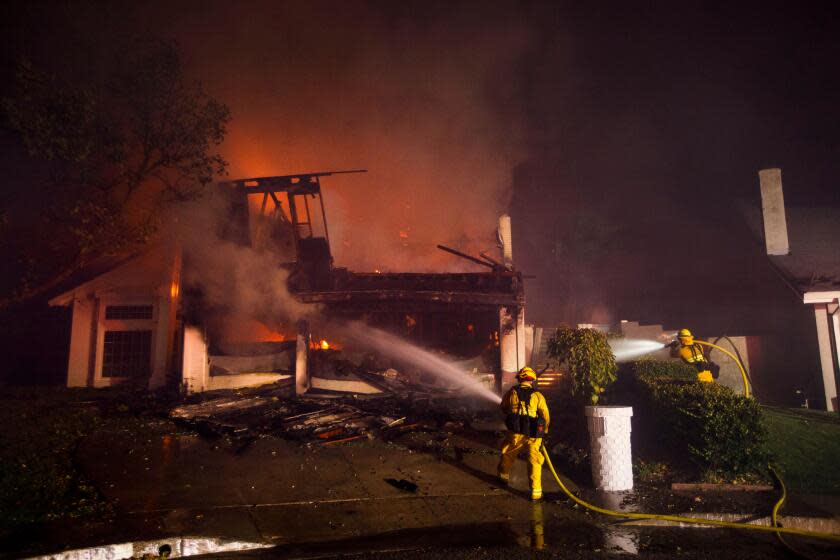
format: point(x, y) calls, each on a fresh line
point(301, 183)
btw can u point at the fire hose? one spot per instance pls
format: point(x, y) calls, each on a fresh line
point(734, 359)
point(775, 528)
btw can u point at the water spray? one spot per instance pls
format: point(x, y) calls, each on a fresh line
point(627, 349)
point(433, 364)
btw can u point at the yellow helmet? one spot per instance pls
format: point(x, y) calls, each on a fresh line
point(685, 336)
point(526, 374)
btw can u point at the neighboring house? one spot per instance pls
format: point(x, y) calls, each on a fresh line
point(124, 322)
point(126, 329)
point(803, 245)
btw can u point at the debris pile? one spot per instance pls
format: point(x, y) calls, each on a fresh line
point(327, 418)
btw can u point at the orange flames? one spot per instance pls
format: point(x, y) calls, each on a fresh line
point(323, 344)
point(235, 329)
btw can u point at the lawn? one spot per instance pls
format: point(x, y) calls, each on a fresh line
point(806, 444)
point(40, 431)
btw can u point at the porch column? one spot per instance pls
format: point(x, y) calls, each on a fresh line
point(511, 343)
point(826, 359)
point(302, 359)
point(195, 366)
point(834, 310)
point(82, 343)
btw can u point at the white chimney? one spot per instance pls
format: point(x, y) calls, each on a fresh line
point(773, 210)
point(505, 238)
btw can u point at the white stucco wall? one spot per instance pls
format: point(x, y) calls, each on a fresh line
point(151, 279)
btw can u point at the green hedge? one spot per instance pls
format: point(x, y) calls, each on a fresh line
point(675, 370)
point(722, 433)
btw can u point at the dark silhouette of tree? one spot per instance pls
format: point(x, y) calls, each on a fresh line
point(113, 148)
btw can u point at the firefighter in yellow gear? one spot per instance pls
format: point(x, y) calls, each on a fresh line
point(527, 421)
point(692, 353)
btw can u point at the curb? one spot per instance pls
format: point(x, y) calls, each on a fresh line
point(821, 524)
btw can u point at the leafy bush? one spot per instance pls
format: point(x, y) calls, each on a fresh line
point(589, 358)
point(675, 370)
point(721, 432)
point(650, 471)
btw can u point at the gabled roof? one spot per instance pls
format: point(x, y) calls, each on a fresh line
point(146, 271)
point(813, 264)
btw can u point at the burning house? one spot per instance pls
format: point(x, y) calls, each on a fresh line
point(144, 321)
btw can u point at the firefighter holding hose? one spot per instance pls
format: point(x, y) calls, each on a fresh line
point(527, 420)
point(692, 353)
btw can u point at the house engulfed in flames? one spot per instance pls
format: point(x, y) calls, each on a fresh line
point(133, 323)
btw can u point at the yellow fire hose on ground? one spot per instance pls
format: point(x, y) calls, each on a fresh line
point(736, 360)
point(774, 515)
point(695, 520)
point(773, 528)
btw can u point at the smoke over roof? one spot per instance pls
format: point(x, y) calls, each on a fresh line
point(419, 101)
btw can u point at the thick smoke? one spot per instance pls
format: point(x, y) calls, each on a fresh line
point(243, 291)
point(422, 101)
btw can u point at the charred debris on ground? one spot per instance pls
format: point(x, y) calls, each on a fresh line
point(324, 418)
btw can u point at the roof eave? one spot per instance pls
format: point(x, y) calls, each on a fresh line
point(815, 297)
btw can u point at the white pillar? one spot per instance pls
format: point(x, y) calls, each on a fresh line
point(195, 367)
point(82, 337)
point(511, 343)
point(609, 441)
point(302, 359)
point(521, 357)
point(773, 210)
point(834, 309)
point(826, 361)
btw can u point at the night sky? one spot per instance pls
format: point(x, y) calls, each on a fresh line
point(624, 138)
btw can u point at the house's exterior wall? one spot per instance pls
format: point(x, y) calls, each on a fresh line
point(242, 380)
point(632, 330)
point(196, 368)
point(152, 279)
point(730, 373)
point(529, 343)
point(162, 346)
point(156, 324)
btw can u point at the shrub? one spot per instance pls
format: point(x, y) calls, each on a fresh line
point(722, 433)
point(675, 370)
point(589, 358)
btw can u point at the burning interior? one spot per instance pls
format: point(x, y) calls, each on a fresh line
point(474, 318)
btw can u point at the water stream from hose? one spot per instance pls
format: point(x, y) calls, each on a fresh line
point(433, 364)
point(626, 349)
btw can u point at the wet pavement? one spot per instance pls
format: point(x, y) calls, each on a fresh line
point(330, 501)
